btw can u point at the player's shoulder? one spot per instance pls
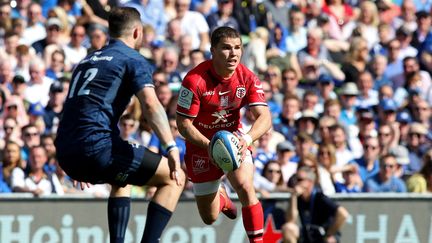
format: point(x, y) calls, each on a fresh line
point(244, 71)
point(198, 74)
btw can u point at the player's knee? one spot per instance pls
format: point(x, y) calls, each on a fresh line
point(290, 232)
point(208, 219)
point(243, 186)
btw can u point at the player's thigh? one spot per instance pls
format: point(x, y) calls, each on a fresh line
point(131, 164)
point(206, 196)
point(162, 174)
point(243, 176)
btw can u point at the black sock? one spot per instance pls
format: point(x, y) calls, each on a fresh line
point(118, 217)
point(157, 219)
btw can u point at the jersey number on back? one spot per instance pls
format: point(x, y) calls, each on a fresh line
point(88, 76)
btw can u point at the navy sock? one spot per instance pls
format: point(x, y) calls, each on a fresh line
point(118, 217)
point(157, 219)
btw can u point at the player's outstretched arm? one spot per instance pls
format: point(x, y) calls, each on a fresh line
point(158, 120)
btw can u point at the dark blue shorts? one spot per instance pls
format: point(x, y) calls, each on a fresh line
point(120, 163)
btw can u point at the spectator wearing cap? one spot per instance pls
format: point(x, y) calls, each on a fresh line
point(34, 30)
point(423, 31)
point(343, 153)
point(387, 110)
point(404, 119)
point(36, 112)
point(366, 122)
point(367, 95)
point(385, 180)
point(352, 182)
point(75, 51)
point(285, 153)
point(285, 122)
point(54, 107)
point(38, 87)
point(348, 96)
point(53, 27)
point(404, 35)
point(18, 86)
point(401, 154)
point(421, 182)
point(308, 123)
point(417, 145)
point(325, 91)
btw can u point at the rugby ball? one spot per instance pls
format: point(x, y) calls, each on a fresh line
point(224, 150)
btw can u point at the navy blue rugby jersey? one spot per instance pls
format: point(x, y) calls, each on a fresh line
point(101, 87)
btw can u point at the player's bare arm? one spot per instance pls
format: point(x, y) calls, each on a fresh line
point(262, 124)
point(190, 132)
point(158, 121)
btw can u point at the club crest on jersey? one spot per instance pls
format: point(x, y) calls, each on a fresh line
point(240, 92)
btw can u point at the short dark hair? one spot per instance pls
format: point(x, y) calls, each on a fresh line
point(223, 32)
point(121, 20)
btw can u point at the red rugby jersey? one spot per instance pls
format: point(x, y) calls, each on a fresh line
point(214, 102)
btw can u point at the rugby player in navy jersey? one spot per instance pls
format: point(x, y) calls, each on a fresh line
point(88, 144)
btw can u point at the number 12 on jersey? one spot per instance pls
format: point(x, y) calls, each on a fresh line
point(89, 75)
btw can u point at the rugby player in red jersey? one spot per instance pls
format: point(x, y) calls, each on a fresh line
point(210, 100)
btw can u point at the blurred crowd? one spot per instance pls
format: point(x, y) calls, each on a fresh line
point(348, 83)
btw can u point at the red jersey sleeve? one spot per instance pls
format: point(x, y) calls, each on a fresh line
point(188, 103)
point(255, 91)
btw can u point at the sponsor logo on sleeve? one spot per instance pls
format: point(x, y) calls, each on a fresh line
point(185, 98)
